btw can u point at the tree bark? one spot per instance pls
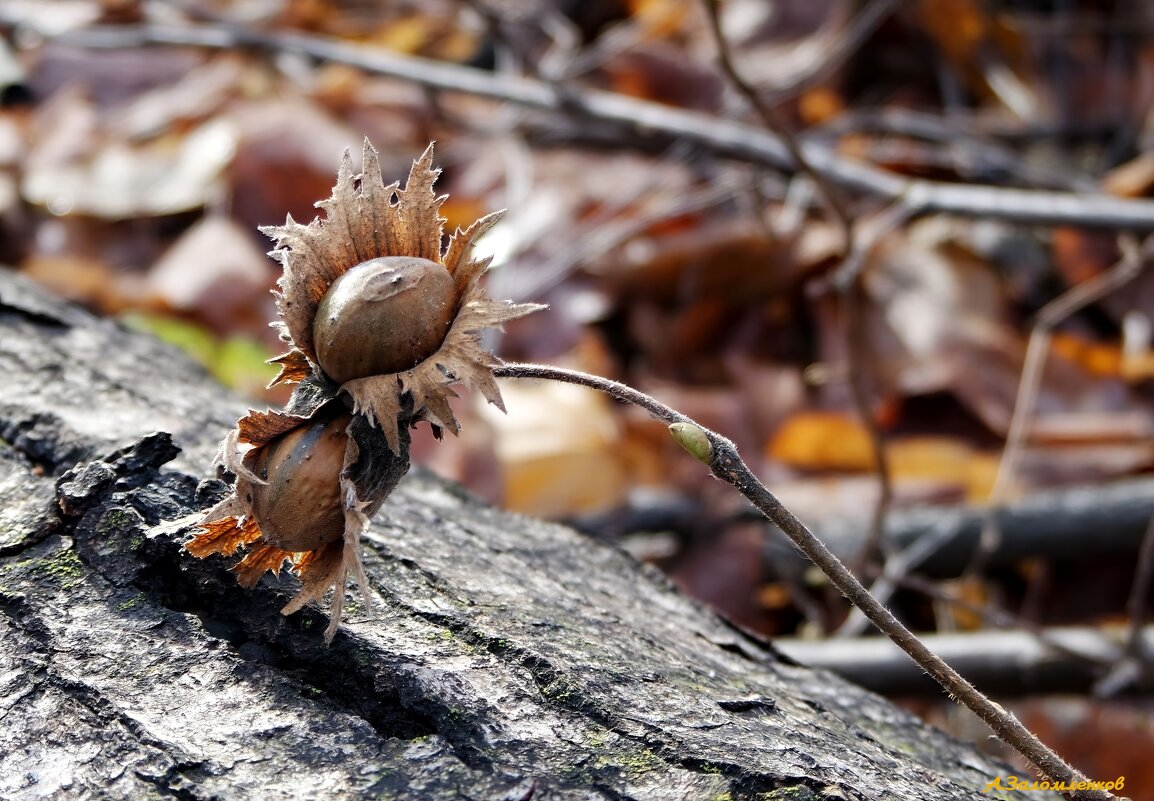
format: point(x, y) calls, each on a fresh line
point(503, 657)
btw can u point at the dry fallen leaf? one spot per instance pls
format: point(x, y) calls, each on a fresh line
point(559, 450)
point(216, 271)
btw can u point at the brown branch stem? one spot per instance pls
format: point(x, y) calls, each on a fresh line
point(1139, 592)
point(727, 465)
point(746, 143)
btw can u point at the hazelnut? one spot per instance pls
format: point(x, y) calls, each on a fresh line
point(299, 508)
point(383, 316)
point(388, 336)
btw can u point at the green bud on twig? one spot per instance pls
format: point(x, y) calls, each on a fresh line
point(693, 439)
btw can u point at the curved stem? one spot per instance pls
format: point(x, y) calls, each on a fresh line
point(725, 463)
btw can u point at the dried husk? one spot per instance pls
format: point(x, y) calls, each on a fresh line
point(298, 506)
point(364, 220)
point(367, 472)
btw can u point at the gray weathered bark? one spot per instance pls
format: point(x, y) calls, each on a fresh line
point(503, 658)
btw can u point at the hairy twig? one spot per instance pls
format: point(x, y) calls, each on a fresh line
point(648, 119)
point(896, 567)
point(721, 456)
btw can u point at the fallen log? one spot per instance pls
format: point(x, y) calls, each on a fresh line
point(502, 658)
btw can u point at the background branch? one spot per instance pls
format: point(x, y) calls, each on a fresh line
point(1037, 351)
point(998, 662)
point(1093, 521)
point(648, 119)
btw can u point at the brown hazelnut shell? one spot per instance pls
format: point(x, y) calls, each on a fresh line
point(383, 316)
point(300, 508)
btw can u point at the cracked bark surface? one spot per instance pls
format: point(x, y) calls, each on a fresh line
point(503, 658)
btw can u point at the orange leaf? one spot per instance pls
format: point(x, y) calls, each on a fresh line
point(971, 592)
point(944, 463)
point(822, 441)
point(1097, 358)
point(820, 105)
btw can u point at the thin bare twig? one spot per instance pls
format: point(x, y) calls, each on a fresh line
point(1134, 667)
point(776, 127)
point(1139, 592)
point(1057, 310)
point(897, 566)
point(868, 236)
point(646, 119)
point(848, 281)
point(855, 332)
point(855, 34)
point(721, 456)
point(857, 344)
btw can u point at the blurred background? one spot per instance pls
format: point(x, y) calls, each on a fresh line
point(895, 371)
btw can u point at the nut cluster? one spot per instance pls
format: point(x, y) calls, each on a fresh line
point(380, 321)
